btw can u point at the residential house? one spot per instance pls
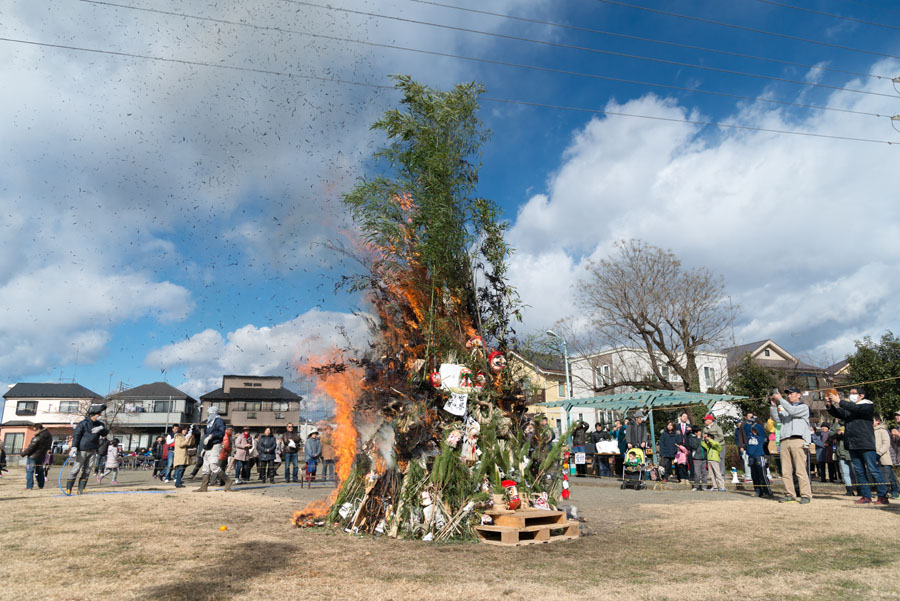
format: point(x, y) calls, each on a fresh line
point(254, 401)
point(58, 406)
point(625, 369)
point(791, 371)
point(543, 378)
point(138, 415)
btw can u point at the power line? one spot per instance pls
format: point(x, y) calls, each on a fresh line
point(587, 49)
point(745, 28)
point(196, 63)
point(691, 121)
point(483, 60)
point(386, 87)
point(650, 40)
point(822, 12)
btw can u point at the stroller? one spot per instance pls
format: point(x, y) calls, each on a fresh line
point(633, 470)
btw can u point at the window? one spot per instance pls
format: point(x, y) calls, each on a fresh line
point(68, 406)
point(709, 374)
point(26, 408)
point(811, 382)
point(222, 406)
point(665, 372)
point(162, 406)
point(767, 353)
point(561, 389)
point(251, 415)
point(281, 406)
point(253, 406)
point(559, 425)
point(279, 416)
point(13, 442)
point(252, 384)
point(603, 375)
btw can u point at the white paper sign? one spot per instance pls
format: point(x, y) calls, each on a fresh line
point(579, 459)
point(452, 377)
point(456, 404)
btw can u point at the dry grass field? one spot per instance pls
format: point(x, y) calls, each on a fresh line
point(636, 545)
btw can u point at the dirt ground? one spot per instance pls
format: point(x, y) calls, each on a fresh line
point(650, 544)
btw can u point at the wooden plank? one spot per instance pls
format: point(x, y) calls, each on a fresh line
point(511, 536)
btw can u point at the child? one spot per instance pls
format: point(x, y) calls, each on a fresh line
point(713, 449)
point(48, 462)
point(112, 462)
point(632, 461)
point(681, 459)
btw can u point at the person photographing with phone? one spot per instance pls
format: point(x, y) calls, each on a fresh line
point(859, 439)
point(795, 439)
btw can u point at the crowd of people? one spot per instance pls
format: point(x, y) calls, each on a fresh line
point(213, 449)
point(855, 449)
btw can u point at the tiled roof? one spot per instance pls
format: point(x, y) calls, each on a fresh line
point(154, 391)
point(50, 390)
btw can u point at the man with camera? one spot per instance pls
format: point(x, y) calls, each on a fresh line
point(795, 439)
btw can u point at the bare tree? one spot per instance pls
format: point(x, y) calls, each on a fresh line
point(643, 297)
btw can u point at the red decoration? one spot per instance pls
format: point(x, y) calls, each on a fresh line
point(435, 379)
point(512, 494)
point(480, 381)
point(497, 361)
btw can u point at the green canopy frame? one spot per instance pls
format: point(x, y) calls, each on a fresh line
point(644, 399)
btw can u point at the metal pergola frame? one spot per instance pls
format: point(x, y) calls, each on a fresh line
point(644, 399)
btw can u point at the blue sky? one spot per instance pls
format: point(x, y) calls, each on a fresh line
point(170, 221)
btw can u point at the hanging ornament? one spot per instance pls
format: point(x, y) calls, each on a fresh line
point(480, 381)
point(465, 378)
point(497, 361)
point(476, 347)
point(435, 379)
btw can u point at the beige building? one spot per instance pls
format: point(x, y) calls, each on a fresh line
point(254, 401)
point(543, 377)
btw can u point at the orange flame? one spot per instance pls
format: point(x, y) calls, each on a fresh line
point(344, 388)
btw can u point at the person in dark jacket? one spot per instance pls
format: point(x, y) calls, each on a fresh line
point(156, 451)
point(102, 450)
point(212, 444)
point(740, 440)
point(266, 447)
point(667, 450)
point(579, 439)
point(34, 455)
point(313, 452)
point(683, 429)
point(755, 439)
point(859, 438)
point(636, 432)
point(293, 443)
point(620, 433)
point(601, 464)
point(698, 456)
point(85, 442)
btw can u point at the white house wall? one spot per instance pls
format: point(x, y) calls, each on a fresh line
point(633, 364)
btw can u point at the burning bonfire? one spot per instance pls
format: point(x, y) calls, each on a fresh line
point(431, 426)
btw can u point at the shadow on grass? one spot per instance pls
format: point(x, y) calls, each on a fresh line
point(230, 572)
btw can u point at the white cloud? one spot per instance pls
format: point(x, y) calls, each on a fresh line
point(263, 351)
point(55, 314)
point(804, 229)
